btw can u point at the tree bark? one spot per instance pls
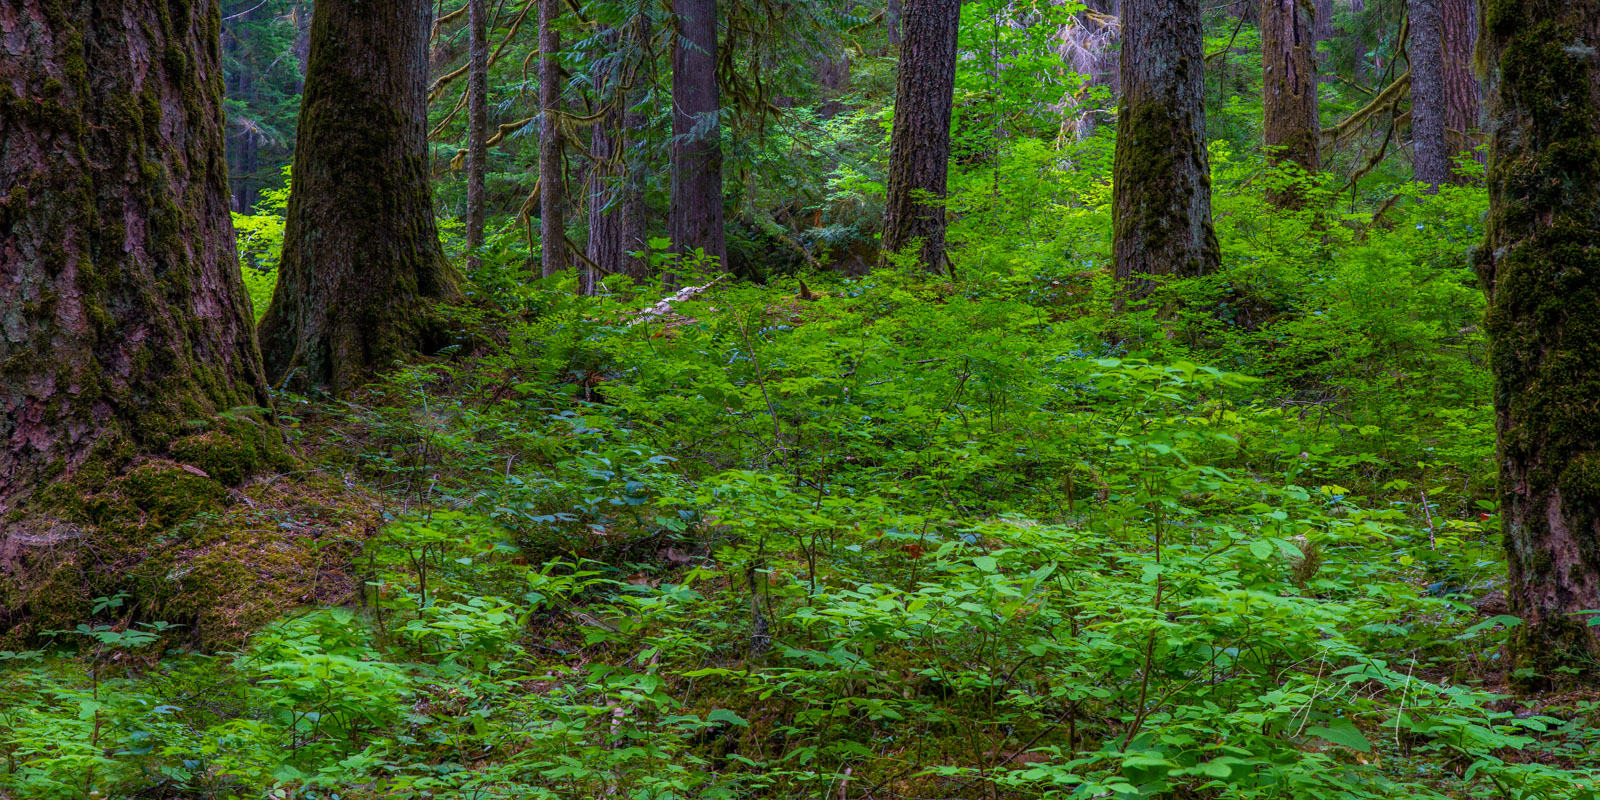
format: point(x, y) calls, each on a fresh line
point(606, 247)
point(1161, 212)
point(1430, 153)
point(1463, 94)
point(919, 141)
point(361, 255)
point(122, 311)
point(477, 125)
point(553, 257)
point(891, 18)
point(1540, 266)
point(695, 220)
point(1289, 90)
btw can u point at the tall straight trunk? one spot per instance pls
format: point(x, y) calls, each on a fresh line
point(1540, 265)
point(1463, 94)
point(635, 237)
point(606, 248)
point(361, 256)
point(1289, 89)
point(919, 142)
point(477, 125)
point(1323, 24)
point(1161, 212)
point(695, 219)
point(553, 258)
point(124, 312)
point(891, 18)
point(1430, 153)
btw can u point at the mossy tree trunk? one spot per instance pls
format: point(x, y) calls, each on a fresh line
point(919, 141)
point(1540, 265)
point(695, 220)
point(1161, 212)
point(361, 256)
point(122, 311)
point(553, 257)
point(1463, 94)
point(1289, 89)
point(477, 124)
point(1430, 152)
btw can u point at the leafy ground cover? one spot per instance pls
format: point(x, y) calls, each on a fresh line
point(873, 537)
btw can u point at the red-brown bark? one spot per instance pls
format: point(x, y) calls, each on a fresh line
point(122, 311)
point(919, 142)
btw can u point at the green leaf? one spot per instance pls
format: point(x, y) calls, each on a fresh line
point(984, 563)
point(1261, 549)
point(1344, 733)
point(724, 715)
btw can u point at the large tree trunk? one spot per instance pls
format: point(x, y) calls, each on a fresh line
point(891, 19)
point(361, 256)
point(477, 124)
point(1289, 89)
point(695, 219)
point(919, 142)
point(1161, 212)
point(124, 312)
point(553, 258)
point(1540, 265)
point(1463, 95)
point(1430, 153)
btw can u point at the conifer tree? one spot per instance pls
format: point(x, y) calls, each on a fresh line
point(361, 255)
point(1289, 88)
point(919, 142)
point(695, 220)
point(477, 124)
point(1540, 265)
point(121, 303)
point(1161, 209)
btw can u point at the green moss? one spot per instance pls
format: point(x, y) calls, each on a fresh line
point(234, 452)
point(1542, 272)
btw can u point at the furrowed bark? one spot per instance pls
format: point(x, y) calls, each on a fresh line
point(1289, 90)
point(1540, 265)
point(477, 125)
point(553, 258)
point(919, 142)
point(122, 311)
point(1430, 153)
point(361, 256)
point(1161, 214)
point(695, 220)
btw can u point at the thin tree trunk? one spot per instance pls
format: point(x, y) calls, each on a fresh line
point(1463, 94)
point(891, 18)
point(1161, 212)
point(919, 141)
point(552, 168)
point(1540, 265)
point(606, 247)
point(1289, 90)
point(124, 312)
point(361, 255)
point(477, 125)
point(695, 219)
point(635, 237)
point(1430, 153)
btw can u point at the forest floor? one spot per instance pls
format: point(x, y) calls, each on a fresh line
point(897, 540)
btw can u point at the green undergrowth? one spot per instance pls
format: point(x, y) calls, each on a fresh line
point(901, 539)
